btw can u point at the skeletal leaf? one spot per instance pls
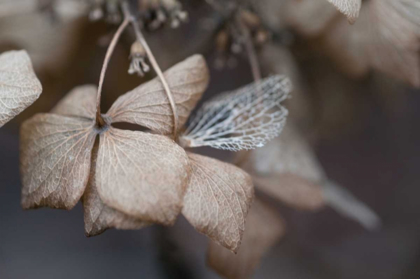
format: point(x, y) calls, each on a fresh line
point(280, 60)
point(243, 119)
point(55, 160)
point(148, 105)
point(350, 8)
point(79, 102)
point(19, 86)
point(287, 169)
point(217, 200)
point(384, 38)
point(142, 175)
point(264, 228)
point(98, 216)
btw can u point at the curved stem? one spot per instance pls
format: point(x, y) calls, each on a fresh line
point(155, 65)
point(99, 120)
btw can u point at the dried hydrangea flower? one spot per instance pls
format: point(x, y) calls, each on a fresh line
point(56, 149)
point(138, 178)
point(138, 63)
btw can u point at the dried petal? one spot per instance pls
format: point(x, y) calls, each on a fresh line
point(287, 169)
point(350, 8)
point(293, 190)
point(386, 38)
point(79, 102)
point(55, 160)
point(19, 86)
point(289, 153)
point(142, 175)
point(148, 105)
point(217, 200)
point(243, 119)
point(264, 228)
point(100, 217)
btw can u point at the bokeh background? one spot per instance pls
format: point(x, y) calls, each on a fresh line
point(365, 134)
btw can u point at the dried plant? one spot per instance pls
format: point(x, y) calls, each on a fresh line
point(131, 179)
point(138, 178)
point(57, 147)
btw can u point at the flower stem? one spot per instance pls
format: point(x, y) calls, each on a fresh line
point(99, 119)
point(249, 46)
point(153, 62)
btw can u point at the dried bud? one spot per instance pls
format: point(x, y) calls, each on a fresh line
point(96, 13)
point(137, 49)
point(155, 13)
point(170, 4)
point(222, 41)
point(261, 37)
point(138, 56)
point(105, 9)
point(178, 16)
point(250, 19)
point(113, 13)
point(236, 48)
point(183, 16)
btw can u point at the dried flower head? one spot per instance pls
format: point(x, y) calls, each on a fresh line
point(132, 178)
point(138, 63)
point(156, 13)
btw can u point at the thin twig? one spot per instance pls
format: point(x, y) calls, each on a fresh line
point(256, 74)
point(111, 47)
point(250, 50)
point(155, 65)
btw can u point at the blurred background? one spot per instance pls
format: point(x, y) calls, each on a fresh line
point(363, 131)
